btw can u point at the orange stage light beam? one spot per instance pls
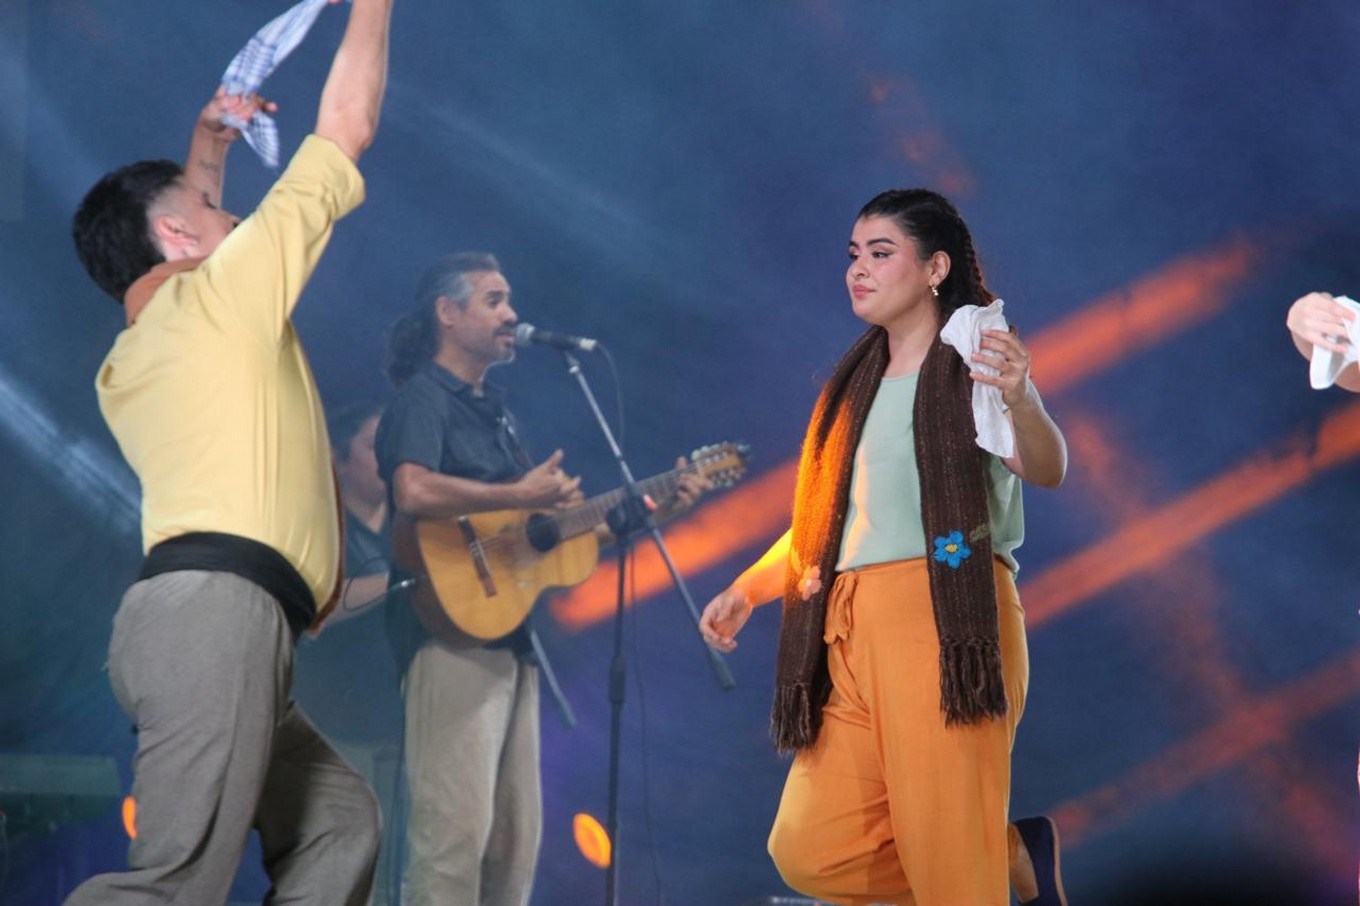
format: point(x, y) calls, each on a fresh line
point(753, 513)
point(915, 136)
point(1163, 533)
point(1258, 725)
point(1180, 601)
point(1171, 299)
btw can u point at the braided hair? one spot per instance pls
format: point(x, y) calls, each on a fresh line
point(936, 226)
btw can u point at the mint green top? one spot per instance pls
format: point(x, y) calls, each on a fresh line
point(883, 521)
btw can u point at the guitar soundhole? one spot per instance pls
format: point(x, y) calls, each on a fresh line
point(542, 532)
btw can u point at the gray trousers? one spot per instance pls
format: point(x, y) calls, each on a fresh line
point(476, 816)
point(203, 663)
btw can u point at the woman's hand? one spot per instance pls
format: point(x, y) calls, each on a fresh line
point(1003, 351)
point(1040, 455)
point(723, 618)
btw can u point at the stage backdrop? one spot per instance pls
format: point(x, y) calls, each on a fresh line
point(1150, 185)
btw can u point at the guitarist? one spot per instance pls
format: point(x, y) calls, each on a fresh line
point(447, 446)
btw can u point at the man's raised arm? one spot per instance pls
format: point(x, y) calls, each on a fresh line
point(205, 167)
point(354, 89)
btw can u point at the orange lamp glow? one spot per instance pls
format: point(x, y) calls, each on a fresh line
point(591, 839)
point(130, 817)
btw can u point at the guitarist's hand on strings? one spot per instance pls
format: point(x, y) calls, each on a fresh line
point(546, 486)
point(692, 486)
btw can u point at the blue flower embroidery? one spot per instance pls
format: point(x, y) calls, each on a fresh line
point(952, 550)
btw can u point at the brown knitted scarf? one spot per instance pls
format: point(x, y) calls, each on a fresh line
point(957, 529)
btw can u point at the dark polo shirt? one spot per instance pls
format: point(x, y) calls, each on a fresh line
point(438, 421)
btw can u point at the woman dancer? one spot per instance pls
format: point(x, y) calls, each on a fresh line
point(902, 676)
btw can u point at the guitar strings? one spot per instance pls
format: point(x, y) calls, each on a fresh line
point(482, 546)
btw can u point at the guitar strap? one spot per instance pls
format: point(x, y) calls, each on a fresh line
point(507, 435)
point(559, 698)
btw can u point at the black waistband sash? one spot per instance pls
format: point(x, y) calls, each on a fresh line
point(244, 557)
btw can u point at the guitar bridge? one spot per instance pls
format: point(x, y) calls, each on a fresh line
point(478, 555)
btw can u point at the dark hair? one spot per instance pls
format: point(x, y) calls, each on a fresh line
point(344, 423)
point(414, 338)
point(111, 230)
point(936, 225)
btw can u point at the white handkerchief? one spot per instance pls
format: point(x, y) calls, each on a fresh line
point(1326, 366)
point(963, 331)
point(256, 62)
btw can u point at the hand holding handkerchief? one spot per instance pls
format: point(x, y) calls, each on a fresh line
point(1325, 365)
point(963, 331)
point(262, 54)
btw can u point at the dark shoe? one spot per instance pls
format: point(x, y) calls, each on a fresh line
point(1040, 837)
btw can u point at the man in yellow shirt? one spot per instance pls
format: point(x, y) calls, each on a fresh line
point(211, 400)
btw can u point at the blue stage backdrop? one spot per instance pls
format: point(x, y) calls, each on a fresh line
point(1150, 185)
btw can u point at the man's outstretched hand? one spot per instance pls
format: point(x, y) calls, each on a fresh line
point(240, 106)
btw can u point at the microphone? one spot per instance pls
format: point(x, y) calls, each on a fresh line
point(525, 334)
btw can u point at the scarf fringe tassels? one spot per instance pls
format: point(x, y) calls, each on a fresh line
point(971, 684)
point(793, 723)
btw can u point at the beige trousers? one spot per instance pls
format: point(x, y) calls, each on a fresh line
point(476, 811)
point(203, 663)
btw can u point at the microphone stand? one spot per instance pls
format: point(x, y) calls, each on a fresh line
point(629, 517)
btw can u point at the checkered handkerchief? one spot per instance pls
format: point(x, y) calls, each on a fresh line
point(256, 61)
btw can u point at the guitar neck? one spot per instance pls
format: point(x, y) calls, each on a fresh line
point(583, 518)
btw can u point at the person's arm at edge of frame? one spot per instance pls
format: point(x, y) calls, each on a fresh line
point(352, 97)
point(1312, 321)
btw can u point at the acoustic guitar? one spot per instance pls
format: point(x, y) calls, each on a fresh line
point(485, 571)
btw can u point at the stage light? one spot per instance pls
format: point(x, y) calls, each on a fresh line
point(130, 817)
point(592, 840)
point(88, 473)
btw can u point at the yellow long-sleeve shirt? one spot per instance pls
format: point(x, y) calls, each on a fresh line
point(209, 393)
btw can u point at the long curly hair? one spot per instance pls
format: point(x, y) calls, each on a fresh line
point(414, 338)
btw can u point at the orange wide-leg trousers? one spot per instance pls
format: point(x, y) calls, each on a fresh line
point(889, 805)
